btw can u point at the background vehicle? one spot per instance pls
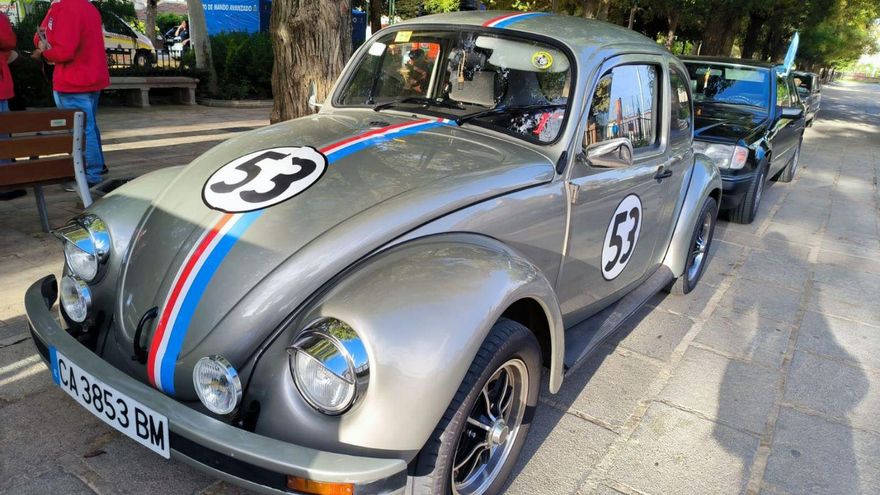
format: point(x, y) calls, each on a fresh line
point(124, 44)
point(368, 296)
point(810, 92)
point(751, 122)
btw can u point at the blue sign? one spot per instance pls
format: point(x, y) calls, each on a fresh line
point(232, 16)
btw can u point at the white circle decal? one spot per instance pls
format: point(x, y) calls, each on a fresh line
point(263, 178)
point(621, 236)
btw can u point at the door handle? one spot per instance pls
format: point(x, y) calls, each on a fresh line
point(663, 173)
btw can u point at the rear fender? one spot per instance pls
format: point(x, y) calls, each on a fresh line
point(422, 309)
point(705, 181)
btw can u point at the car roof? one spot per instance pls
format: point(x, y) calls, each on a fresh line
point(582, 35)
point(728, 60)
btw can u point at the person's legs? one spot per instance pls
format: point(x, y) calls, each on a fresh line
point(96, 95)
point(93, 155)
point(4, 107)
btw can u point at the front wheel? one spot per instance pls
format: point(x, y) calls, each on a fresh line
point(698, 252)
point(747, 210)
point(476, 444)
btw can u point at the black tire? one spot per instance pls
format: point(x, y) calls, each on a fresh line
point(431, 470)
point(747, 209)
point(698, 250)
point(788, 173)
point(143, 59)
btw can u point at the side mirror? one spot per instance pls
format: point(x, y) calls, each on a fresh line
point(313, 97)
point(613, 153)
point(792, 112)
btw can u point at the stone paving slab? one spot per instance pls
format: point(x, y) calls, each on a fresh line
point(779, 342)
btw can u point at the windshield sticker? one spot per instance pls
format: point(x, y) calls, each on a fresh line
point(621, 236)
point(506, 20)
point(402, 36)
point(542, 60)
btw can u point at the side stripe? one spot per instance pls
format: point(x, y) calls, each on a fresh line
point(508, 19)
point(209, 251)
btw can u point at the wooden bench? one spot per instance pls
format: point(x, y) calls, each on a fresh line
point(138, 88)
point(46, 146)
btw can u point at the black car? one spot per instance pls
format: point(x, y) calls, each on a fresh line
point(810, 91)
point(750, 120)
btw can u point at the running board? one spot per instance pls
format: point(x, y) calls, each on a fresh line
point(585, 337)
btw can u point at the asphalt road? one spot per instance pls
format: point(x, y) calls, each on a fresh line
point(766, 379)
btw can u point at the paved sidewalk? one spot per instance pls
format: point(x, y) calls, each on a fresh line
point(765, 380)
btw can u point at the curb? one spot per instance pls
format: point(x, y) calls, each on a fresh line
point(211, 102)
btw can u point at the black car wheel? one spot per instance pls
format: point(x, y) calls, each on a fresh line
point(476, 444)
point(698, 252)
point(788, 173)
point(143, 59)
point(746, 211)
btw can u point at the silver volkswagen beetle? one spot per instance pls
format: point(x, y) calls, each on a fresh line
point(364, 300)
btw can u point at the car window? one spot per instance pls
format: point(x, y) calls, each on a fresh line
point(509, 83)
point(625, 105)
point(681, 121)
point(783, 92)
point(728, 84)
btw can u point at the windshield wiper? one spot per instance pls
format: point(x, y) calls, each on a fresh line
point(500, 110)
point(418, 100)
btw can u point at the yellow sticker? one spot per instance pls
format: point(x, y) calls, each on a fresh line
point(402, 36)
point(542, 60)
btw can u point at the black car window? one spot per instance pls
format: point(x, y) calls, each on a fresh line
point(729, 84)
point(783, 92)
point(625, 105)
point(681, 121)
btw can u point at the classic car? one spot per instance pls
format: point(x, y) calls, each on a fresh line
point(364, 300)
point(810, 91)
point(750, 120)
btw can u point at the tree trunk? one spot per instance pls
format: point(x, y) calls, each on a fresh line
point(150, 22)
point(312, 42)
point(750, 41)
point(590, 8)
point(632, 15)
point(720, 29)
point(604, 7)
point(200, 43)
point(672, 19)
point(375, 15)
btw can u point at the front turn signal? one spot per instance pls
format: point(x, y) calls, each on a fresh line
point(319, 487)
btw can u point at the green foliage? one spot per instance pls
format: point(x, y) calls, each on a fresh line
point(122, 8)
point(438, 6)
point(244, 65)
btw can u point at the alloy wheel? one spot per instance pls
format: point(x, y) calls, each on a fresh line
point(491, 429)
point(700, 249)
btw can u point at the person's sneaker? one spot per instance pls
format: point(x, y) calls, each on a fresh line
point(71, 185)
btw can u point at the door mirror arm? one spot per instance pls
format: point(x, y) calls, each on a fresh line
point(613, 153)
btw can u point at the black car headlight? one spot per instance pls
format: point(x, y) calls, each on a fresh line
point(86, 246)
point(329, 365)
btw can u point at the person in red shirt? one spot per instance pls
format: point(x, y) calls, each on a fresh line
point(7, 44)
point(74, 42)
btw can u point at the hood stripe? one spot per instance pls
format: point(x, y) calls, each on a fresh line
point(507, 19)
point(206, 256)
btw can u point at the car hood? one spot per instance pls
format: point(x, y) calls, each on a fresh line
point(727, 123)
point(222, 282)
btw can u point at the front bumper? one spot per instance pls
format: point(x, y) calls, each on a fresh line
point(253, 461)
point(734, 189)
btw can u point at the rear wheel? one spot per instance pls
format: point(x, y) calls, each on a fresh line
point(478, 440)
point(787, 174)
point(143, 59)
point(746, 211)
point(698, 253)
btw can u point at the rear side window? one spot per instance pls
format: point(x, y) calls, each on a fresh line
point(783, 93)
point(681, 121)
point(625, 105)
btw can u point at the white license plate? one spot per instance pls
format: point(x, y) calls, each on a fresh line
point(127, 415)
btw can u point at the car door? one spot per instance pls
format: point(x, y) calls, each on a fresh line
point(784, 133)
point(616, 211)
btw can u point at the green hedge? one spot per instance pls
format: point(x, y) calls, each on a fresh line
point(244, 65)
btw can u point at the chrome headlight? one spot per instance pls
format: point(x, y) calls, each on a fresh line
point(329, 365)
point(86, 246)
point(217, 384)
point(76, 299)
point(726, 156)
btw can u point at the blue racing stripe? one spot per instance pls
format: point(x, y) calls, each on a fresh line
point(194, 295)
point(506, 22)
point(343, 152)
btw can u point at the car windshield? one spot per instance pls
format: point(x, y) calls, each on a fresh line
point(735, 85)
point(512, 84)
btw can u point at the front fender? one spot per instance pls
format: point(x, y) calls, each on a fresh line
point(423, 309)
point(705, 180)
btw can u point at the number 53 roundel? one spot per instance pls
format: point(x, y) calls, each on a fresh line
point(263, 178)
point(621, 236)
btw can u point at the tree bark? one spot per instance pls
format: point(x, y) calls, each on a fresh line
point(150, 22)
point(722, 25)
point(672, 19)
point(375, 15)
point(750, 41)
point(632, 15)
point(312, 42)
point(200, 43)
point(590, 8)
point(604, 8)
